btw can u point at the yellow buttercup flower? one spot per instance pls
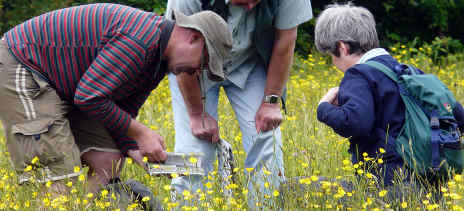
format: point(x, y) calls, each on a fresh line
point(77, 169)
point(380, 161)
point(104, 193)
point(81, 178)
point(28, 168)
point(34, 160)
point(404, 205)
point(146, 198)
point(193, 160)
point(383, 193)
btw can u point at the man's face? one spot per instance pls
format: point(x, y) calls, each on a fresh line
point(191, 57)
point(247, 4)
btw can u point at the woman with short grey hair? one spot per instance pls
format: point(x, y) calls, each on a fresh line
point(368, 109)
point(348, 23)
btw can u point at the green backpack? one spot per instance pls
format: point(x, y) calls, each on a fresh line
point(429, 140)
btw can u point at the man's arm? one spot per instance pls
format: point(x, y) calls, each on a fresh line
point(269, 115)
point(281, 61)
point(289, 15)
point(203, 126)
point(189, 86)
point(114, 66)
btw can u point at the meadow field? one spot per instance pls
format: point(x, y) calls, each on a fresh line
point(312, 151)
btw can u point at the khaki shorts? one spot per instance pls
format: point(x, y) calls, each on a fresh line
point(37, 123)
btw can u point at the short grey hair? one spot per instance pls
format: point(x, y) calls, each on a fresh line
point(347, 23)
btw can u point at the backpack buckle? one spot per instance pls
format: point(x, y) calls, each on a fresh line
point(434, 123)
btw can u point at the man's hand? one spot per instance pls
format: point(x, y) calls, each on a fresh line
point(152, 145)
point(207, 130)
point(331, 97)
point(268, 117)
point(138, 158)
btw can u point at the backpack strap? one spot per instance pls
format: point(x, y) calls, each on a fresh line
point(435, 140)
point(434, 116)
point(386, 70)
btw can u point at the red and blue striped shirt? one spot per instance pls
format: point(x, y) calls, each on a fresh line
point(105, 58)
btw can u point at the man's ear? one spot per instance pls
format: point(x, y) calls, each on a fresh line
point(343, 48)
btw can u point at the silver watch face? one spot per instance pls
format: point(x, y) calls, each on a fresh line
point(273, 99)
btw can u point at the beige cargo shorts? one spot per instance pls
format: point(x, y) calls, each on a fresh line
point(37, 123)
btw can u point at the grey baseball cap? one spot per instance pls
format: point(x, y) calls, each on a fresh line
point(217, 36)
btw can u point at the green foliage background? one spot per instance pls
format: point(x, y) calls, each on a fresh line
point(13, 12)
point(416, 22)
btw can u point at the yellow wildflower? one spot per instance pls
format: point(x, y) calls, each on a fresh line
point(34, 160)
point(380, 161)
point(276, 193)
point(28, 168)
point(146, 198)
point(404, 205)
point(193, 160)
point(77, 169)
point(383, 193)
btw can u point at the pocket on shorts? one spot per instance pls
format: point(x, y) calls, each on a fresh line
point(32, 128)
point(36, 140)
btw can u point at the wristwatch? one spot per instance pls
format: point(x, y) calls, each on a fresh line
point(272, 99)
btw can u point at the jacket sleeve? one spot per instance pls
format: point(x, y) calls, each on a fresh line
point(355, 114)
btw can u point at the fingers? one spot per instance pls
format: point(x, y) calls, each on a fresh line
point(157, 155)
point(259, 126)
point(267, 118)
point(258, 122)
point(209, 132)
point(137, 157)
point(163, 156)
point(163, 144)
point(203, 134)
point(268, 124)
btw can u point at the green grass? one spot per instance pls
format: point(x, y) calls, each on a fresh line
point(311, 151)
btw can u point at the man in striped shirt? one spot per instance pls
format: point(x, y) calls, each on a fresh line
point(72, 82)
